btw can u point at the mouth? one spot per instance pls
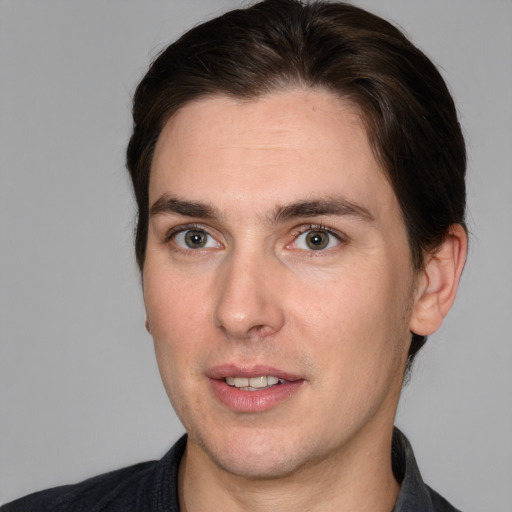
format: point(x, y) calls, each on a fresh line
point(253, 389)
point(254, 383)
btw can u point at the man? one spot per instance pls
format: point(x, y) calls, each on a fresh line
point(299, 175)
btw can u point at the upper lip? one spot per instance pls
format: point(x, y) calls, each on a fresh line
point(235, 370)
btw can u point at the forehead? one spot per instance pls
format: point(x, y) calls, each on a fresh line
point(284, 146)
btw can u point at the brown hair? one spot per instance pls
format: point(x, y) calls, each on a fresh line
point(408, 111)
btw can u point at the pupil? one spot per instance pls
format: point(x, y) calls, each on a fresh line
point(195, 239)
point(317, 240)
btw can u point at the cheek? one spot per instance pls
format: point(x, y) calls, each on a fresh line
point(176, 315)
point(359, 319)
point(174, 303)
point(349, 298)
point(176, 321)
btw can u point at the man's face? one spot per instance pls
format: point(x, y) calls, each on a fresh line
point(277, 253)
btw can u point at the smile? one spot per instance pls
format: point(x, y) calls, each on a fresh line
point(253, 383)
point(254, 388)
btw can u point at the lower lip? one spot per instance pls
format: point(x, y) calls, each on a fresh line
point(253, 401)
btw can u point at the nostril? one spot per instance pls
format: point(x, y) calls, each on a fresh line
point(261, 331)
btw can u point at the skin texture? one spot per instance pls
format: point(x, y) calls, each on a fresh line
point(338, 318)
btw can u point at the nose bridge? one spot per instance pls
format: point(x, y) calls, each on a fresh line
point(247, 304)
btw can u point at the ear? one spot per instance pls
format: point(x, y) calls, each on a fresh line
point(438, 282)
point(146, 324)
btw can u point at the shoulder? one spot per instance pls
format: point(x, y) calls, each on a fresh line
point(117, 490)
point(145, 487)
point(440, 504)
point(414, 493)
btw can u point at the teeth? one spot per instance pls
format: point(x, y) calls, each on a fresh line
point(254, 383)
point(241, 382)
point(258, 382)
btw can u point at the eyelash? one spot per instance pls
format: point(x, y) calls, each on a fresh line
point(305, 228)
point(179, 229)
point(296, 233)
point(173, 232)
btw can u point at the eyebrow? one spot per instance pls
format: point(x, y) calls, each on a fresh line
point(306, 208)
point(169, 205)
point(326, 206)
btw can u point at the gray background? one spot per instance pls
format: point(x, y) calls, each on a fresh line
point(79, 388)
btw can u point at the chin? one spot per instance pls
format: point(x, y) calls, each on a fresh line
point(257, 457)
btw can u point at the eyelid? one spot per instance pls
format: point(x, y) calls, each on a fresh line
point(184, 227)
point(176, 230)
point(304, 228)
point(296, 233)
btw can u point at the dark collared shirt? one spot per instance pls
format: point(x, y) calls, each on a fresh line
point(153, 487)
point(414, 495)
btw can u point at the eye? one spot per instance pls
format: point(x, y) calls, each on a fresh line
point(195, 239)
point(316, 240)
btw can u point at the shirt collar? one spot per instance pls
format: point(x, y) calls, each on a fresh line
point(414, 495)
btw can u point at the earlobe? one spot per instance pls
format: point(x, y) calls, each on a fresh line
point(438, 282)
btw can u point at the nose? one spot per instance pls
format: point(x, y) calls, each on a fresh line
point(248, 304)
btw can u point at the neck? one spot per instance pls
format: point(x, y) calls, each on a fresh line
point(357, 477)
